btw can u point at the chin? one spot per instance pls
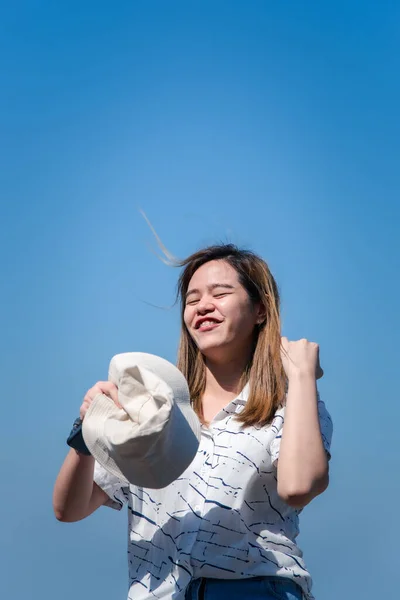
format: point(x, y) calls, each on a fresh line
point(212, 350)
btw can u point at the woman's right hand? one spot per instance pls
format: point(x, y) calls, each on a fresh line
point(101, 387)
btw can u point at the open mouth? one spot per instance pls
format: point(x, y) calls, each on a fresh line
point(207, 325)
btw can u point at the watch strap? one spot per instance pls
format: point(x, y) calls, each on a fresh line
point(75, 439)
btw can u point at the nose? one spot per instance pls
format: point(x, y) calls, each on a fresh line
point(205, 306)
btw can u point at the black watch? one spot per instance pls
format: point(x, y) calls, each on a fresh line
point(75, 439)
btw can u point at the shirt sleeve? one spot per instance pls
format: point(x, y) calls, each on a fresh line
point(325, 423)
point(116, 490)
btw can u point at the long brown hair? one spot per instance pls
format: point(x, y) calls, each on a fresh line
point(264, 373)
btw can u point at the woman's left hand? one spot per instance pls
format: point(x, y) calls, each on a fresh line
point(301, 358)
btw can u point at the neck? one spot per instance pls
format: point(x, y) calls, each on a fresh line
point(225, 376)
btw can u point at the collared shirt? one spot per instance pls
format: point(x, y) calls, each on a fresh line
point(222, 518)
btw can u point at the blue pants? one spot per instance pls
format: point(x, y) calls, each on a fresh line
point(254, 588)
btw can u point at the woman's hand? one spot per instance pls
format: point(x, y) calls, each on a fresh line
point(101, 387)
point(301, 358)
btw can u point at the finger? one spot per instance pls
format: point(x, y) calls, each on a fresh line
point(284, 345)
point(110, 390)
point(103, 387)
point(106, 386)
point(88, 398)
point(92, 393)
point(84, 408)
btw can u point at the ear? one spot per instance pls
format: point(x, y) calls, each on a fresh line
point(261, 313)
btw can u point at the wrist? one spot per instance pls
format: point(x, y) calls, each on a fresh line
point(82, 456)
point(301, 375)
point(75, 439)
point(301, 385)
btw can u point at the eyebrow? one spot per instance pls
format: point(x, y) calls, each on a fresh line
point(211, 287)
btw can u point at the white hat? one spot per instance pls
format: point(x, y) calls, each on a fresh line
point(154, 437)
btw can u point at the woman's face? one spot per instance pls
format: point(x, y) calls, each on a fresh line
point(219, 314)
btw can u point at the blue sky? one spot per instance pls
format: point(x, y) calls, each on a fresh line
point(272, 125)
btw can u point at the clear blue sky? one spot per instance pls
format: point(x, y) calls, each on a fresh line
point(274, 125)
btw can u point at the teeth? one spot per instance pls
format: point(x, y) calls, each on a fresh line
point(207, 323)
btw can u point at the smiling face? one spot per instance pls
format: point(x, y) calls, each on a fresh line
point(218, 314)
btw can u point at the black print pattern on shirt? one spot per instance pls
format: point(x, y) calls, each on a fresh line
point(222, 518)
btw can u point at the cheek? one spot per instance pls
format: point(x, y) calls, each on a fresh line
point(187, 316)
point(243, 315)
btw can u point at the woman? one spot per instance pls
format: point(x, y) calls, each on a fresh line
point(227, 527)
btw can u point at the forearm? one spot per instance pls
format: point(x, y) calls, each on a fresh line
point(73, 488)
point(302, 464)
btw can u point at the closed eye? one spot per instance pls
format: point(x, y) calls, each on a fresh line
point(191, 302)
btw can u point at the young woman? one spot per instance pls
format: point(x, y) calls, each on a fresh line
point(227, 527)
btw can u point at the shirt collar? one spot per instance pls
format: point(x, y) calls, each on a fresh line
point(244, 395)
point(233, 406)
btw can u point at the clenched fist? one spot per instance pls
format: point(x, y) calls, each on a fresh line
point(101, 387)
point(301, 357)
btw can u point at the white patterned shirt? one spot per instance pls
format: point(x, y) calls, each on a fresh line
point(222, 518)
